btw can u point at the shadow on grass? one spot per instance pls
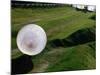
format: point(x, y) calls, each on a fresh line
point(14, 33)
point(79, 37)
point(93, 17)
point(21, 65)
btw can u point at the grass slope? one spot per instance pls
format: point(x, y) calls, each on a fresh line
point(59, 23)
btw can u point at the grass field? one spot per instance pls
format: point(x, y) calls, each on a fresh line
point(59, 23)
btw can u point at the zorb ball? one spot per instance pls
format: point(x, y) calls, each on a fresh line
point(31, 39)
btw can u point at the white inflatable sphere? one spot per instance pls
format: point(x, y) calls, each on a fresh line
point(91, 8)
point(80, 6)
point(31, 39)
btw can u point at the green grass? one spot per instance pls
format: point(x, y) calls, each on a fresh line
point(74, 58)
point(59, 23)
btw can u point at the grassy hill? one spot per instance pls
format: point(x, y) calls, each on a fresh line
point(66, 30)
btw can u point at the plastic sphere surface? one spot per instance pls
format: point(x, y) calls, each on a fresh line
point(31, 39)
